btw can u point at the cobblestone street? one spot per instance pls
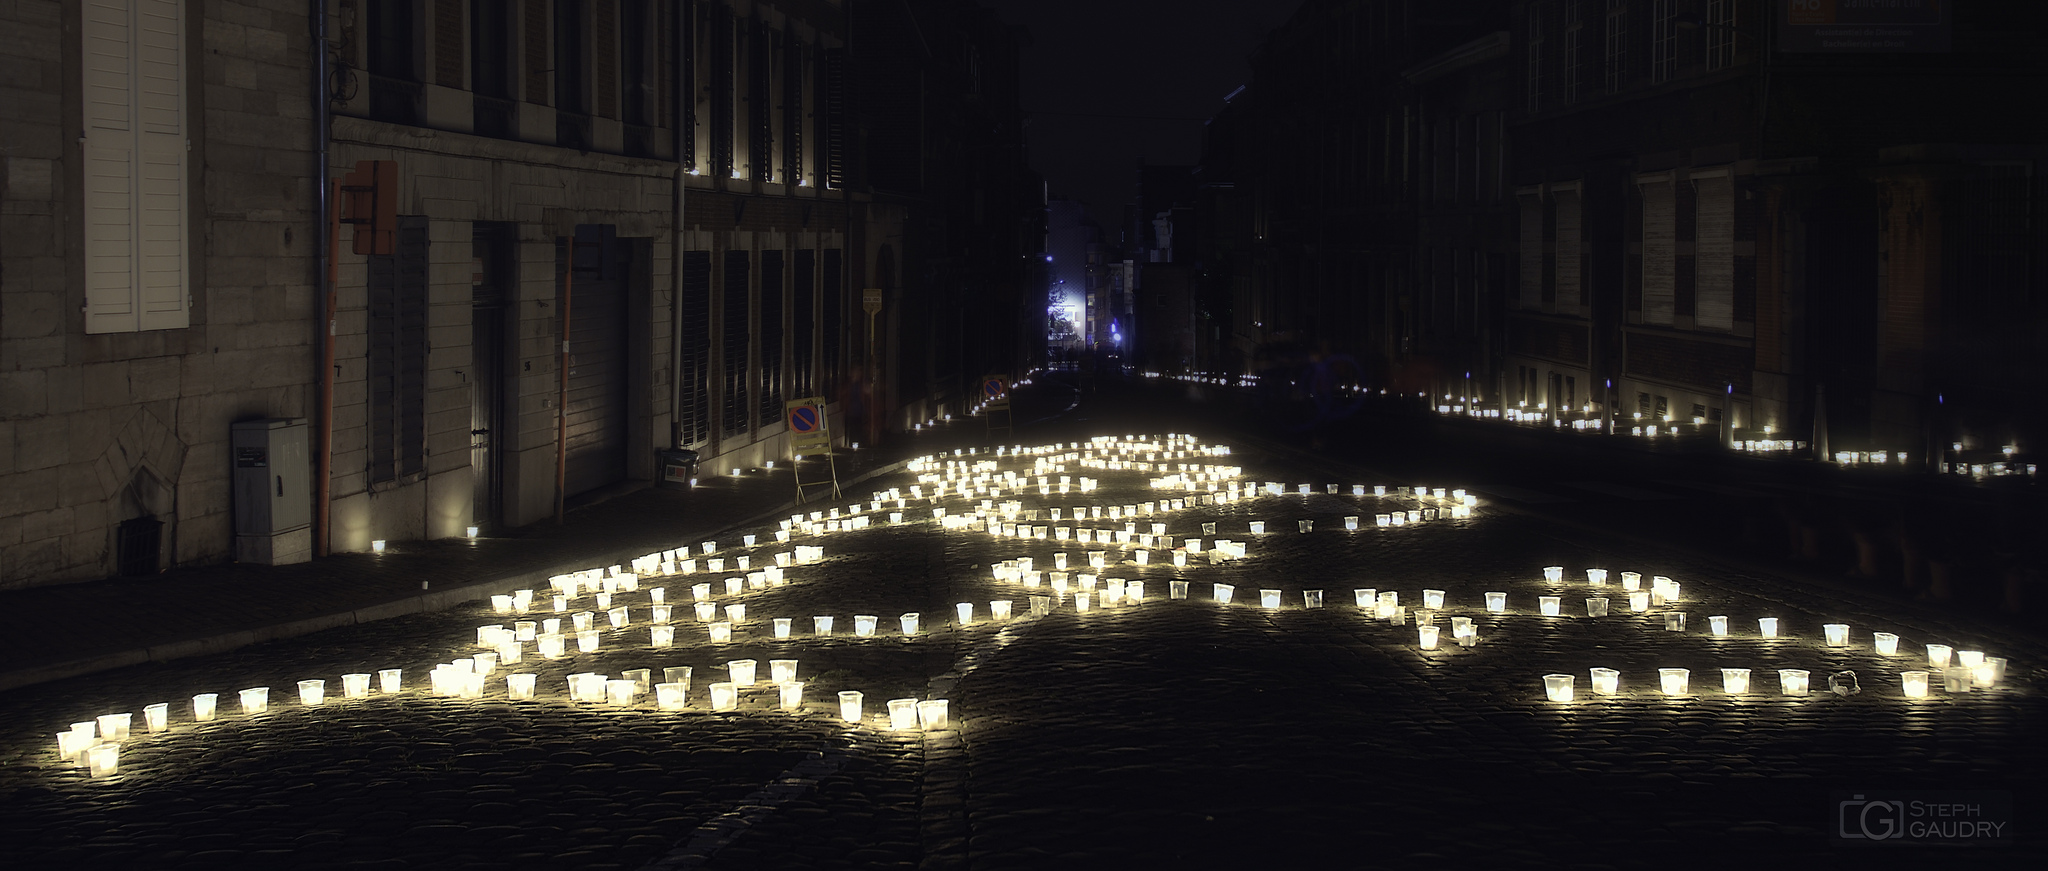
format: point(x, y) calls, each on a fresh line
point(1157, 730)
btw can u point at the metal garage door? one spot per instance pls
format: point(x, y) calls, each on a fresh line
point(596, 405)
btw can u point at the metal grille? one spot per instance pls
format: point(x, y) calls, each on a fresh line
point(398, 354)
point(734, 378)
point(803, 320)
point(771, 337)
point(694, 367)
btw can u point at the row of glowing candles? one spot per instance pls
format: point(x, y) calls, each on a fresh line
point(96, 743)
point(1913, 684)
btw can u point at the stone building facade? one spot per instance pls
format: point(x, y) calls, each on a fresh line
point(621, 226)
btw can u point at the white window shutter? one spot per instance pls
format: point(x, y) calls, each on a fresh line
point(1532, 250)
point(1568, 272)
point(1714, 263)
point(136, 242)
point(1660, 256)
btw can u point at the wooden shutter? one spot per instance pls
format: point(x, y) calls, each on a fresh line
point(1660, 232)
point(1568, 272)
point(539, 63)
point(135, 166)
point(695, 367)
point(835, 98)
point(771, 337)
point(1714, 249)
point(736, 338)
point(1532, 250)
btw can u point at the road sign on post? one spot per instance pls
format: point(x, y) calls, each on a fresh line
point(810, 435)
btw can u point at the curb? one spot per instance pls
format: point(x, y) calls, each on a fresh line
point(437, 600)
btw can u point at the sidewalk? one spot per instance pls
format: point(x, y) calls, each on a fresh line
point(75, 629)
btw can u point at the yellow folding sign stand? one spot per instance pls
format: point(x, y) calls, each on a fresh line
point(810, 435)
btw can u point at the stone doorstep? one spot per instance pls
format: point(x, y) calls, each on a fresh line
point(434, 600)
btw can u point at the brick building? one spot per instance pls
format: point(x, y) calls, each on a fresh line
point(622, 225)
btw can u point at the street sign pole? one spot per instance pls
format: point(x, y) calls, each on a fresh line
point(871, 302)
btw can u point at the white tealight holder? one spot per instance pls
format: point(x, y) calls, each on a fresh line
point(1631, 580)
point(1596, 577)
point(1269, 599)
point(724, 696)
point(1793, 681)
point(1674, 681)
point(741, 671)
point(1496, 603)
point(1548, 605)
point(864, 625)
point(1596, 606)
point(549, 645)
point(388, 679)
point(1366, 597)
point(670, 696)
point(620, 692)
point(114, 727)
point(1837, 634)
point(1674, 621)
point(1433, 599)
point(1767, 627)
point(587, 641)
point(1939, 655)
point(849, 706)
point(1887, 643)
point(700, 592)
point(736, 613)
point(1553, 574)
point(1717, 625)
point(1223, 593)
point(1311, 599)
point(1639, 600)
point(821, 625)
point(156, 717)
point(1735, 681)
point(255, 700)
point(999, 609)
point(104, 760)
point(1914, 683)
point(706, 611)
point(312, 692)
point(1428, 634)
point(932, 715)
point(1176, 589)
point(721, 632)
point(903, 715)
point(791, 695)
point(1606, 681)
point(1558, 687)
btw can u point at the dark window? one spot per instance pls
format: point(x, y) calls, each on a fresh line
point(391, 39)
point(736, 341)
point(394, 81)
point(803, 320)
point(771, 337)
point(398, 354)
point(537, 61)
point(490, 69)
point(639, 93)
point(572, 123)
point(694, 417)
point(721, 90)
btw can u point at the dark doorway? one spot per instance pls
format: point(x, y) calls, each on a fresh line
point(596, 404)
point(492, 270)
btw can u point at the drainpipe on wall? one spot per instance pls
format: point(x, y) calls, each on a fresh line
point(562, 368)
point(323, 454)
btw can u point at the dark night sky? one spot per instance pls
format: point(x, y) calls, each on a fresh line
point(1107, 82)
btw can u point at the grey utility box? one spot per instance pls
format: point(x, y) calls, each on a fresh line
point(273, 498)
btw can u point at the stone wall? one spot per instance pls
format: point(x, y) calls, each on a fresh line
point(98, 429)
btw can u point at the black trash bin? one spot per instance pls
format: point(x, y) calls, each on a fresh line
point(678, 467)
